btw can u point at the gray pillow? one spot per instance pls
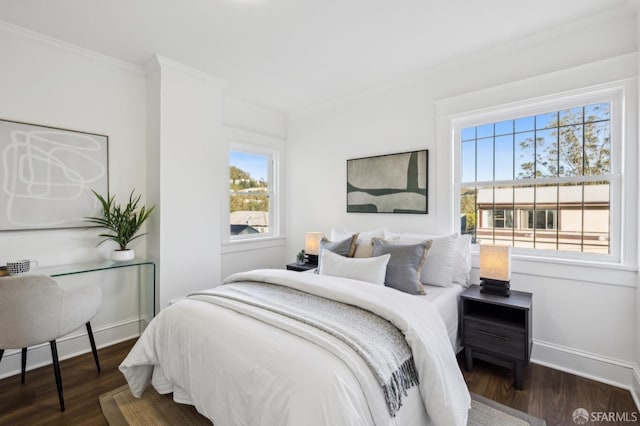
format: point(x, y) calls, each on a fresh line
point(346, 247)
point(405, 264)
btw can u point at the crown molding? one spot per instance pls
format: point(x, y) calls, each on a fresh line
point(51, 41)
point(157, 62)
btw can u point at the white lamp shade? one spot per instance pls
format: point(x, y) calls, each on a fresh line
point(495, 262)
point(312, 242)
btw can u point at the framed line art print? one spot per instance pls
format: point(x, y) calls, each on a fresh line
point(47, 174)
point(393, 183)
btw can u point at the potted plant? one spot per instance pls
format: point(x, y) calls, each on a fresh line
point(124, 222)
point(300, 257)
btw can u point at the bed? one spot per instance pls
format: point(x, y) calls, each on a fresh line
point(241, 364)
point(447, 300)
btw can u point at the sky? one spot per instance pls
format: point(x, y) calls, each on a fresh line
point(256, 165)
point(489, 149)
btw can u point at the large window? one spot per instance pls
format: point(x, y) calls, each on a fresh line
point(251, 196)
point(545, 180)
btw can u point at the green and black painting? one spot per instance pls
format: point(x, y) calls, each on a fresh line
point(395, 183)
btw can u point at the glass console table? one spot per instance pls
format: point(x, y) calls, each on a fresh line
point(146, 277)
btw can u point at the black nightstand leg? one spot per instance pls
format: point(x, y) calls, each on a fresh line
point(517, 375)
point(468, 358)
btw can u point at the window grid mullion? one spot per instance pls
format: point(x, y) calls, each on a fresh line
point(548, 189)
point(544, 181)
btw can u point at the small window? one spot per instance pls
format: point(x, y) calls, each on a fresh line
point(250, 194)
point(540, 219)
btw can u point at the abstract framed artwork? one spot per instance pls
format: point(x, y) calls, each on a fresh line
point(393, 183)
point(47, 175)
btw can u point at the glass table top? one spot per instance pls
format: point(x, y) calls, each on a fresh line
point(97, 265)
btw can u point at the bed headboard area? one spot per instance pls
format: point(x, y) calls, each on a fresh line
point(437, 260)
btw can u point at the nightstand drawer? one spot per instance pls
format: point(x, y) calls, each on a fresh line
point(506, 341)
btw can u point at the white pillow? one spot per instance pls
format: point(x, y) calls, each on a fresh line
point(438, 266)
point(364, 247)
point(462, 260)
point(372, 270)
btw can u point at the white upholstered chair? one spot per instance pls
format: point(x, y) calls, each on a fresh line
point(35, 310)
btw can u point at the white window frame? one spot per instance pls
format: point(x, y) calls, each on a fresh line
point(244, 141)
point(613, 93)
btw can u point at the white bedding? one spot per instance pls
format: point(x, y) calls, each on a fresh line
point(446, 300)
point(240, 371)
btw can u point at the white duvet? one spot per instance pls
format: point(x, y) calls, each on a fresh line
point(240, 368)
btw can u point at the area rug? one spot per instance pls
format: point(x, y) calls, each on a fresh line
point(485, 412)
point(119, 407)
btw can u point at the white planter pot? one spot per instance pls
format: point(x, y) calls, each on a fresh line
point(122, 255)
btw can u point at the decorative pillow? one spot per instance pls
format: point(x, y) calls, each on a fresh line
point(364, 246)
point(403, 269)
point(372, 270)
point(346, 247)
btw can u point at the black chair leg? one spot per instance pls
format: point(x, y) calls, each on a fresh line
point(24, 365)
point(56, 372)
point(93, 345)
point(1, 353)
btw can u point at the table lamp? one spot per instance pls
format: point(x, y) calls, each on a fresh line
point(312, 246)
point(495, 269)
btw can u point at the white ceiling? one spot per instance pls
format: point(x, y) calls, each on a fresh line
point(288, 54)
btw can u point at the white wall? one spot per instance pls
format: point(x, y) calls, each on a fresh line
point(583, 317)
point(42, 83)
point(187, 177)
point(637, 322)
point(242, 115)
point(48, 83)
point(165, 140)
point(187, 145)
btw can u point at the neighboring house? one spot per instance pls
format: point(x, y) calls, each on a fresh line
point(257, 221)
point(243, 230)
point(551, 218)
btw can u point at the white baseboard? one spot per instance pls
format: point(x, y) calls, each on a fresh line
point(635, 388)
point(603, 369)
point(69, 346)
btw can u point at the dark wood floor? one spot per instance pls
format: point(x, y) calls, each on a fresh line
point(548, 394)
point(36, 402)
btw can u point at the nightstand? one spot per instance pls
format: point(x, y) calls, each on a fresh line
point(497, 329)
point(301, 268)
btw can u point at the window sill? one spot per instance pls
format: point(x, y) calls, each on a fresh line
point(606, 273)
point(252, 244)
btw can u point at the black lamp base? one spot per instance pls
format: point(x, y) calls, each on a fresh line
point(499, 288)
point(311, 258)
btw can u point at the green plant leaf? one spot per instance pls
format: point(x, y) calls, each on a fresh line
point(124, 221)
